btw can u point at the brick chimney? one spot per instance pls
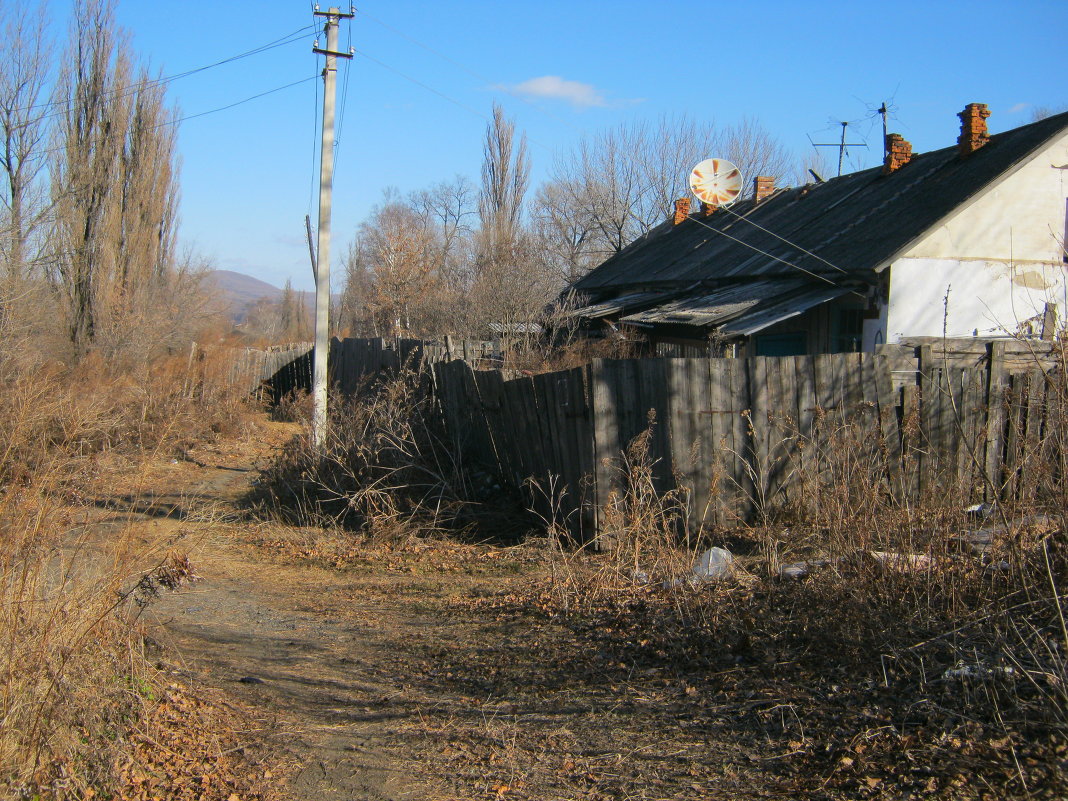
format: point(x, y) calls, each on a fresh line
point(682, 210)
point(763, 185)
point(707, 209)
point(973, 133)
point(898, 153)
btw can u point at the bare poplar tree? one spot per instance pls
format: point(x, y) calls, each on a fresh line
point(25, 55)
point(114, 187)
point(505, 175)
point(510, 284)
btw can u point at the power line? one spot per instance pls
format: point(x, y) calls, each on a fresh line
point(784, 239)
point(697, 220)
point(210, 111)
point(241, 102)
point(289, 38)
point(344, 96)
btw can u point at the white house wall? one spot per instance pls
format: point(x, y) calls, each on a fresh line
point(985, 297)
point(1001, 257)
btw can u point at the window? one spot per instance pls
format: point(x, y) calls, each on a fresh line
point(848, 331)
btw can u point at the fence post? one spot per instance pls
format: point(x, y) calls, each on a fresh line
point(995, 419)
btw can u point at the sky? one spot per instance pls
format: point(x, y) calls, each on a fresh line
point(417, 95)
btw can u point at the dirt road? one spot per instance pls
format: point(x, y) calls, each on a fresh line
point(421, 671)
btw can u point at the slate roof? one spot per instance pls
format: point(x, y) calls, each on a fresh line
point(839, 232)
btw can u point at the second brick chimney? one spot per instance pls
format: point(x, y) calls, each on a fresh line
point(973, 134)
point(682, 210)
point(763, 185)
point(898, 153)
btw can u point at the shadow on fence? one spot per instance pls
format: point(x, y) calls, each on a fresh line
point(739, 439)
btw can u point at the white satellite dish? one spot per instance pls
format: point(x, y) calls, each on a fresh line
point(716, 182)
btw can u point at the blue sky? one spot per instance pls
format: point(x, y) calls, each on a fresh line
point(426, 73)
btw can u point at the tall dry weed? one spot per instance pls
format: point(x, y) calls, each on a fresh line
point(384, 469)
point(76, 688)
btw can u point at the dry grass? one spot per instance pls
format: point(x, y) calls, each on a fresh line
point(79, 698)
point(908, 662)
point(384, 470)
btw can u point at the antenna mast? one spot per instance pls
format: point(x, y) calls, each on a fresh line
point(842, 145)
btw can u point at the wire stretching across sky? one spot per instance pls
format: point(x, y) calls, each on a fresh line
point(227, 107)
point(573, 127)
point(289, 38)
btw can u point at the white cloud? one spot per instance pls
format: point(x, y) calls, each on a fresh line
point(1019, 107)
point(578, 94)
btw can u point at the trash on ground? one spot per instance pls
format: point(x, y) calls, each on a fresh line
point(901, 562)
point(978, 671)
point(799, 570)
point(714, 564)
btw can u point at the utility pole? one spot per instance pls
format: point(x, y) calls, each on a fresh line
point(322, 256)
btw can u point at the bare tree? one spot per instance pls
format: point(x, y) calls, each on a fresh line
point(627, 178)
point(565, 232)
point(750, 146)
point(1043, 112)
point(505, 175)
point(25, 55)
point(401, 253)
point(450, 207)
point(114, 184)
point(510, 280)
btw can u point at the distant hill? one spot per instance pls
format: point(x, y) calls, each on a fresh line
point(240, 292)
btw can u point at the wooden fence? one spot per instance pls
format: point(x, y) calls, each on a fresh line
point(736, 438)
point(252, 368)
point(280, 370)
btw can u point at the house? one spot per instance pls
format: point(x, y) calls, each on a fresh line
point(968, 240)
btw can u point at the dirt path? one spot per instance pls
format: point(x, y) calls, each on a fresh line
point(286, 642)
point(422, 672)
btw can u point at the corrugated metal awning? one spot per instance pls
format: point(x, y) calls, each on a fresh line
point(606, 308)
point(740, 310)
point(782, 309)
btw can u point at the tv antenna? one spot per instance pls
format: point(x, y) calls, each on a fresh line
point(842, 145)
point(716, 182)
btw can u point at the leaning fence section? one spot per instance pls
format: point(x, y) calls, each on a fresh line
point(254, 368)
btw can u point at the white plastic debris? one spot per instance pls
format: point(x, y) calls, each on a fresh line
point(977, 671)
point(981, 510)
point(799, 570)
point(714, 564)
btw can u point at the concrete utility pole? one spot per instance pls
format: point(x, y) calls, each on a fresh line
point(322, 258)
